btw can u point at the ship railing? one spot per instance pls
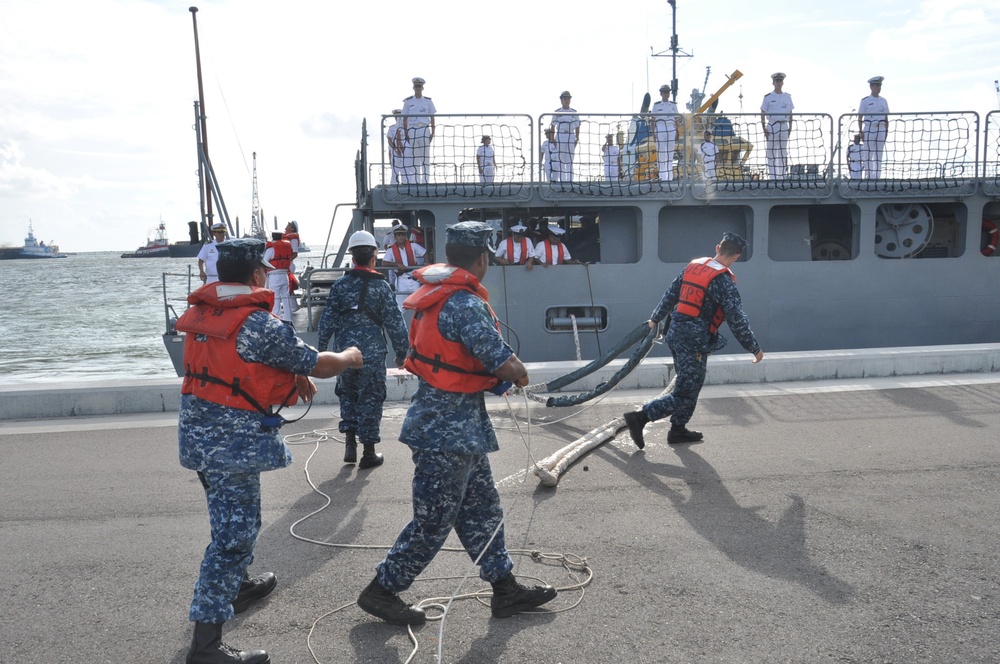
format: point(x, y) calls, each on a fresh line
point(176, 286)
point(934, 153)
point(917, 153)
point(991, 154)
point(447, 164)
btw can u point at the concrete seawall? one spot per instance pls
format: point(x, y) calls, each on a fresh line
point(25, 402)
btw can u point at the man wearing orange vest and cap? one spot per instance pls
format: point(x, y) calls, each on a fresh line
point(698, 301)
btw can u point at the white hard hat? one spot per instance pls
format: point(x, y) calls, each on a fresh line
point(361, 239)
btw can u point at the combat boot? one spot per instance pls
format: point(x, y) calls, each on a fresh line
point(510, 597)
point(253, 589)
point(682, 435)
point(350, 447)
point(636, 420)
point(370, 458)
point(207, 648)
point(388, 606)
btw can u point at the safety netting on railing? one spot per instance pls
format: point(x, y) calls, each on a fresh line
point(571, 153)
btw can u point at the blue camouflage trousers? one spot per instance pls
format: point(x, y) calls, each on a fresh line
point(449, 491)
point(680, 403)
point(362, 393)
point(234, 517)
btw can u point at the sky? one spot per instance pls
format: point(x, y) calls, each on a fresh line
point(97, 98)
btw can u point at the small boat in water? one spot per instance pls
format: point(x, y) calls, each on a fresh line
point(158, 247)
point(34, 249)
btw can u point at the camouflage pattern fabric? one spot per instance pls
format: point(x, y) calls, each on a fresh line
point(229, 448)
point(455, 421)
point(234, 517)
point(223, 439)
point(362, 391)
point(691, 343)
point(450, 435)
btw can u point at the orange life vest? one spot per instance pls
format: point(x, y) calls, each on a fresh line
point(524, 250)
point(288, 237)
point(694, 284)
point(282, 259)
point(213, 369)
point(559, 260)
point(398, 256)
point(446, 365)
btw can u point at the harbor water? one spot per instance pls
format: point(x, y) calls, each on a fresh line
point(90, 316)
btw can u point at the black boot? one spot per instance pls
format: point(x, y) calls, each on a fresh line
point(636, 420)
point(351, 447)
point(370, 458)
point(681, 434)
point(207, 648)
point(510, 597)
point(388, 606)
point(253, 589)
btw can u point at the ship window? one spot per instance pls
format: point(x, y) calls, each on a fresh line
point(592, 234)
point(813, 233)
point(689, 232)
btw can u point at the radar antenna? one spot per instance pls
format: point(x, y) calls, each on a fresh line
point(674, 50)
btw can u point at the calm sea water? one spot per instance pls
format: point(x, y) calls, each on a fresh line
point(92, 316)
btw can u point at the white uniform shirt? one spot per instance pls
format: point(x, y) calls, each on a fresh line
point(515, 257)
point(209, 253)
point(419, 111)
point(396, 136)
point(541, 254)
point(665, 115)
point(708, 152)
point(873, 109)
point(405, 283)
point(484, 156)
point(611, 155)
point(566, 122)
point(549, 152)
point(777, 106)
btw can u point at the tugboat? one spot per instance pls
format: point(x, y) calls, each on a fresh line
point(35, 249)
point(158, 247)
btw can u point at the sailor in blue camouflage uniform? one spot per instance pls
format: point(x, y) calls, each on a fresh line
point(359, 307)
point(240, 362)
point(457, 352)
point(698, 301)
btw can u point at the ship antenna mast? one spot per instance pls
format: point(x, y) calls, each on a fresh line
point(674, 50)
point(256, 220)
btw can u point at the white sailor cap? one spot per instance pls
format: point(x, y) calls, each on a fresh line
point(397, 111)
point(564, 93)
point(418, 81)
point(556, 230)
point(401, 228)
point(218, 226)
point(876, 79)
point(518, 228)
point(778, 76)
point(664, 88)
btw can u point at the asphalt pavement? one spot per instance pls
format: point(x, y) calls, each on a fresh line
point(835, 521)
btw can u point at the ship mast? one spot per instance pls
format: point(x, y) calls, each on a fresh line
point(256, 218)
point(674, 50)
